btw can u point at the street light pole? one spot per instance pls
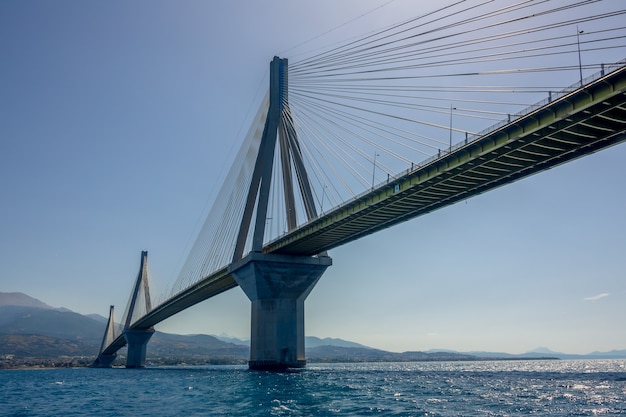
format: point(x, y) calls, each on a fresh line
point(580, 62)
point(374, 170)
point(451, 108)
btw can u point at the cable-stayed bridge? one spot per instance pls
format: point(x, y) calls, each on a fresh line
point(366, 118)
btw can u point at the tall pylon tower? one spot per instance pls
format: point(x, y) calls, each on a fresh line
point(276, 285)
point(137, 339)
point(106, 361)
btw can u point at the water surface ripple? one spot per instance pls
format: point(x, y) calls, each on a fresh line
point(507, 388)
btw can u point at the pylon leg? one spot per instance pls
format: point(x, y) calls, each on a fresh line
point(277, 286)
point(104, 361)
point(137, 341)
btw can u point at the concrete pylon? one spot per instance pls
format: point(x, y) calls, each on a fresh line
point(136, 341)
point(277, 286)
point(106, 361)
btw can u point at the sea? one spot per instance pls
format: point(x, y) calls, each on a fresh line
point(489, 388)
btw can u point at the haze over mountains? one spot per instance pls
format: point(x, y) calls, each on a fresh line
point(19, 299)
point(32, 330)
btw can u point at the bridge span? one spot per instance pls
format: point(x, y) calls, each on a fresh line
point(582, 121)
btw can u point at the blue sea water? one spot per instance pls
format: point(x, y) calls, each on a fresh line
point(508, 388)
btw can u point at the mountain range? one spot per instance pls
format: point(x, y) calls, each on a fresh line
point(32, 333)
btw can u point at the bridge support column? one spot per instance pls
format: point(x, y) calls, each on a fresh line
point(277, 286)
point(104, 361)
point(137, 341)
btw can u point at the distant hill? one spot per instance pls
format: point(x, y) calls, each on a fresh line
point(542, 353)
point(171, 349)
point(233, 340)
point(313, 342)
point(309, 342)
point(52, 323)
point(44, 347)
point(32, 331)
point(9, 314)
point(613, 354)
point(21, 300)
point(98, 318)
point(364, 354)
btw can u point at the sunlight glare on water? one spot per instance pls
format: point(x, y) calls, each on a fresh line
point(496, 388)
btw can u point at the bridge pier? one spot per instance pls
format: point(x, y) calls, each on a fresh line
point(104, 361)
point(136, 341)
point(277, 286)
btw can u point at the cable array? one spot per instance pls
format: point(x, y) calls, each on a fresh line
point(214, 246)
point(371, 108)
point(141, 306)
point(376, 106)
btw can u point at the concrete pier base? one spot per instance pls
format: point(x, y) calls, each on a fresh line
point(104, 361)
point(277, 286)
point(136, 341)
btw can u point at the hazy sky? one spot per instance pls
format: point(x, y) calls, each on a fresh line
point(116, 119)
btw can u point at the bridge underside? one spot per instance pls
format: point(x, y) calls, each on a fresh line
point(277, 286)
point(578, 124)
point(210, 286)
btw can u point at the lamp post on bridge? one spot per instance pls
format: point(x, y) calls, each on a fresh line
point(580, 63)
point(451, 108)
point(374, 170)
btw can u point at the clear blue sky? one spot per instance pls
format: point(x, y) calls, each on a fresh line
point(116, 119)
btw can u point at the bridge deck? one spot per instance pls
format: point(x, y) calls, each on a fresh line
point(580, 123)
point(208, 287)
